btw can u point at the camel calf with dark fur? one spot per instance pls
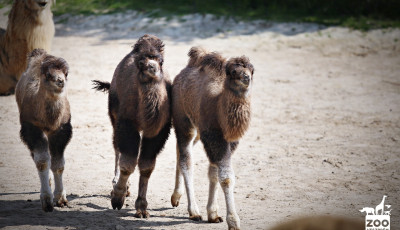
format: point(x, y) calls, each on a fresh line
point(138, 102)
point(211, 102)
point(46, 120)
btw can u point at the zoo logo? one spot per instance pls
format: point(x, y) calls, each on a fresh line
point(377, 218)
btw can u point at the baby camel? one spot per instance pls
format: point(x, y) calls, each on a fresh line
point(139, 101)
point(211, 102)
point(46, 120)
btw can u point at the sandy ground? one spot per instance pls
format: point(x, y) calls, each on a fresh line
point(324, 136)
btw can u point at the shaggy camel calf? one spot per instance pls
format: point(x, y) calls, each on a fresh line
point(46, 120)
point(211, 102)
point(139, 102)
point(30, 26)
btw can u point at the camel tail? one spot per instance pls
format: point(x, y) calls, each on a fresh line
point(101, 85)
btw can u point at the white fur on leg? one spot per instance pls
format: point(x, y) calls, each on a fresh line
point(116, 170)
point(60, 195)
point(212, 205)
point(187, 171)
point(179, 188)
point(227, 181)
point(42, 161)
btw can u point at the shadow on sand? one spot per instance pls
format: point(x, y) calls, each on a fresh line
point(17, 213)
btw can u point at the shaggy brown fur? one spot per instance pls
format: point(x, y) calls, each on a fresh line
point(321, 223)
point(45, 120)
point(211, 101)
point(30, 26)
point(139, 102)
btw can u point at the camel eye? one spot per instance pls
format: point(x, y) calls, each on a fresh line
point(48, 76)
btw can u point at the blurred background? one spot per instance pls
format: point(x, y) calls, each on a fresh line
point(356, 14)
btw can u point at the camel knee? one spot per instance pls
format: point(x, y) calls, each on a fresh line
point(57, 166)
point(226, 179)
point(42, 161)
point(127, 164)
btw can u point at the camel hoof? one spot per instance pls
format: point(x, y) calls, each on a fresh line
point(60, 199)
point(141, 214)
point(117, 202)
point(196, 218)
point(218, 219)
point(62, 203)
point(117, 199)
point(47, 204)
point(175, 199)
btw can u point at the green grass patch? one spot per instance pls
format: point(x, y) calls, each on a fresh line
point(356, 14)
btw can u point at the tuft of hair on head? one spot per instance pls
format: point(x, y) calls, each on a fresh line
point(196, 54)
point(52, 62)
point(239, 61)
point(147, 42)
point(213, 61)
point(101, 86)
point(36, 52)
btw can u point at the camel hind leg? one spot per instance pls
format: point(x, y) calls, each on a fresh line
point(186, 135)
point(179, 182)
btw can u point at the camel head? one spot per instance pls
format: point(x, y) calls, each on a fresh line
point(53, 71)
point(149, 58)
point(239, 72)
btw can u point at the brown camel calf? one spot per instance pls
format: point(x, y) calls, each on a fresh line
point(46, 120)
point(139, 102)
point(211, 102)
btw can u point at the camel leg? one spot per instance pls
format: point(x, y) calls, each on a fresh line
point(116, 170)
point(185, 143)
point(127, 141)
point(212, 206)
point(37, 143)
point(150, 148)
point(57, 143)
point(179, 182)
point(219, 153)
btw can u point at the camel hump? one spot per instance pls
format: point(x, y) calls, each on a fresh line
point(213, 61)
point(196, 54)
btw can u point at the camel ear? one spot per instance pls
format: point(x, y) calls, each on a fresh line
point(36, 53)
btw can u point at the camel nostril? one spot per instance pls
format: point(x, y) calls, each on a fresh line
point(152, 67)
point(60, 83)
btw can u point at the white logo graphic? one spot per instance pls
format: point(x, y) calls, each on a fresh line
point(377, 218)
